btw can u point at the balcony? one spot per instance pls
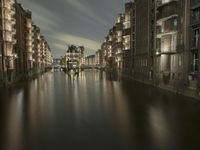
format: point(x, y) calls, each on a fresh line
point(167, 11)
point(167, 49)
point(167, 31)
point(127, 32)
point(119, 51)
point(160, 35)
point(13, 8)
point(29, 37)
point(168, 52)
point(29, 43)
point(195, 21)
point(13, 21)
point(14, 32)
point(12, 12)
point(14, 41)
point(7, 5)
point(119, 40)
point(127, 25)
point(161, 3)
point(12, 2)
point(127, 46)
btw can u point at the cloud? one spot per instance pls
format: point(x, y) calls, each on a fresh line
point(62, 40)
point(84, 9)
point(85, 22)
point(42, 17)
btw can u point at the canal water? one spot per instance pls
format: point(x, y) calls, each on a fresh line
point(95, 111)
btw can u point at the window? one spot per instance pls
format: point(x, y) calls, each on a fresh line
point(173, 61)
point(195, 61)
point(196, 14)
point(196, 38)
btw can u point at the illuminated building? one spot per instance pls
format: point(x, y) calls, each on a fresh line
point(7, 39)
point(194, 68)
point(23, 50)
point(74, 56)
point(119, 41)
point(172, 37)
point(99, 58)
point(128, 37)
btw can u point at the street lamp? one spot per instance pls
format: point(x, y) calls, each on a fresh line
point(157, 53)
point(15, 56)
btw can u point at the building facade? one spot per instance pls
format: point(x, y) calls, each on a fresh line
point(7, 39)
point(36, 47)
point(99, 58)
point(112, 47)
point(29, 51)
point(42, 58)
point(128, 37)
point(21, 44)
point(172, 57)
point(74, 57)
point(90, 61)
point(119, 41)
point(111, 63)
point(160, 43)
point(82, 55)
point(194, 62)
point(142, 54)
point(105, 52)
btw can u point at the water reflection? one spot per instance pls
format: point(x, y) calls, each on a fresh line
point(14, 122)
point(94, 100)
point(160, 128)
point(94, 110)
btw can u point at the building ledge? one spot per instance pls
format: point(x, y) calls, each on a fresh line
point(168, 53)
point(166, 3)
point(167, 18)
point(166, 33)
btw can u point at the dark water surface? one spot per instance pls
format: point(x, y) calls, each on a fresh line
point(96, 112)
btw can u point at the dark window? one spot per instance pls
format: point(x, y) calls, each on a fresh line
point(195, 61)
point(196, 38)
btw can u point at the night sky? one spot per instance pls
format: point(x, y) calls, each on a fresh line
point(79, 22)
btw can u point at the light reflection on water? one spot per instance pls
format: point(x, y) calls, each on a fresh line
point(14, 121)
point(160, 128)
point(92, 110)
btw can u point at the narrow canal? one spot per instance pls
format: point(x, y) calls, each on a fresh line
point(95, 112)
